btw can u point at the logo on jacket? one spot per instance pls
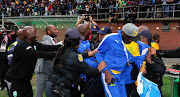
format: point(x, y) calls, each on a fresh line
point(117, 41)
point(135, 33)
point(112, 84)
point(80, 57)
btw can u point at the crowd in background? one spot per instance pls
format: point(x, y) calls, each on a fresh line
point(70, 7)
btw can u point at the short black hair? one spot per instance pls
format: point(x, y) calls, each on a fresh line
point(156, 36)
point(71, 42)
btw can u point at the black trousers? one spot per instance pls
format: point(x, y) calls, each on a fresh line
point(23, 89)
point(3, 69)
point(129, 89)
point(94, 87)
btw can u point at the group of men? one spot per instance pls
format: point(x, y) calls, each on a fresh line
point(125, 54)
point(22, 56)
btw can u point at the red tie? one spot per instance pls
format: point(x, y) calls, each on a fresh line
point(54, 40)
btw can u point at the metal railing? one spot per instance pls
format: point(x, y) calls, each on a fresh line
point(151, 11)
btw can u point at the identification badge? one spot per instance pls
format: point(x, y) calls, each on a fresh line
point(80, 57)
point(3, 47)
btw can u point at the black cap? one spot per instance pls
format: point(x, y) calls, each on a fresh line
point(74, 33)
point(146, 33)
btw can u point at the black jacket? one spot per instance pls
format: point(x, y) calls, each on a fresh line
point(93, 45)
point(155, 71)
point(71, 68)
point(169, 53)
point(11, 39)
point(25, 57)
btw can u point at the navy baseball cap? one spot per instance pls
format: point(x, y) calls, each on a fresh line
point(74, 33)
point(146, 33)
point(95, 28)
point(105, 30)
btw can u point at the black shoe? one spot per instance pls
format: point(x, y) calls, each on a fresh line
point(2, 87)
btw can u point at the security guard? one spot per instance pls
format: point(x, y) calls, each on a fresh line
point(24, 61)
point(5, 40)
point(68, 65)
point(175, 53)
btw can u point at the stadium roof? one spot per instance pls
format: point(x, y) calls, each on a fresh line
point(61, 22)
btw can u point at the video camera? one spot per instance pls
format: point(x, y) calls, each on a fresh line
point(87, 17)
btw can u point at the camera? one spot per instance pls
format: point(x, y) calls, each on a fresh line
point(8, 31)
point(86, 17)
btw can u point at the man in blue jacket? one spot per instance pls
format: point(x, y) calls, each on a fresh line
point(113, 51)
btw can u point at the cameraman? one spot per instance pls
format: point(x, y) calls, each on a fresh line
point(5, 39)
point(92, 35)
point(87, 18)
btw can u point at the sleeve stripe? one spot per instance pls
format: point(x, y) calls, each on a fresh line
point(105, 38)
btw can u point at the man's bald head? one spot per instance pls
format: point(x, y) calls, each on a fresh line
point(82, 28)
point(20, 34)
point(51, 30)
point(48, 27)
point(29, 34)
point(143, 28)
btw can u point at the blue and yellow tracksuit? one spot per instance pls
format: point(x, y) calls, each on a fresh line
point(139, 50)
point(113, 51)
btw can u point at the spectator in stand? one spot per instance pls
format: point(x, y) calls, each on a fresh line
point(111, 7)
point(135, 2)
point(134, 14)
point(116, 16)
point(87, 8)
point(120, 3)
point(46, 10)
point(141, 4)
point(177, 7)
point(130, 3)
point(70, 9)
point(164, 7)
point(116, 5)
point(131, 14)
point(124, 3)
point(170, 7)
point(150, 9)
point(50, 9)
point(74, 7)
